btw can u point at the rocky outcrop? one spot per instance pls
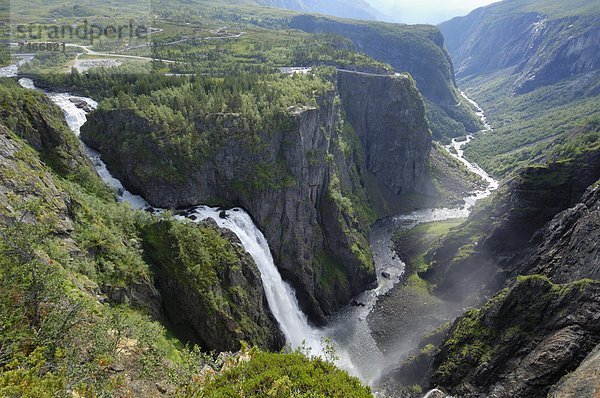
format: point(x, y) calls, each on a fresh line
point(518, 345)
point(35, 119)
point(24, 179)
point(389, 118)
point(541, 47)
point(498, 239)
point(216, 305)
point(567, 248)
point(543, 223)
point(305, 188)
point(583, 382)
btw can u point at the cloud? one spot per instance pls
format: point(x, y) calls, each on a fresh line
point(426, 11)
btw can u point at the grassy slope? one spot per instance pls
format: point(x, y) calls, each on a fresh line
point(51, 324)
point(414, 244)
point(527, 126)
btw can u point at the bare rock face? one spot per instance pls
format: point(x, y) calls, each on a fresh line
point(568, 247)
point(522, 342)
point(297, 184)
point(388, 115)
point(518, 345)
point(584, 382)
point(540, 48)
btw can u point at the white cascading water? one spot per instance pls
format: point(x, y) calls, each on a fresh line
point(13, 69)
point(280, 295)
point(76, 118)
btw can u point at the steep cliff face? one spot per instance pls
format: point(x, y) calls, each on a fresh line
point(543, 224)
point(304, 187)
point(388, 117)
point(566, 249)
point(416, 49)
point(498, 238)
point(218, 306)
point(518, 345)
point(542, 44)
point(79, 301)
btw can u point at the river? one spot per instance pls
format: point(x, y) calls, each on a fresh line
point(349, 330)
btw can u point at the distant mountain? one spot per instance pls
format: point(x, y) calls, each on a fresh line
point(353, 9)
point(545, 41)
point(534, 66)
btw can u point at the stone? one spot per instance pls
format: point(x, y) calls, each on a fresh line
point(161, 387)
point(583, 382)
point(206, 373)
point(117, 367)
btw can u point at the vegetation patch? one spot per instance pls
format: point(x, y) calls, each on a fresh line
point(414, 245)
point(285, 375)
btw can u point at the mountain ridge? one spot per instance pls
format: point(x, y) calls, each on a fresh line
point(352, 9)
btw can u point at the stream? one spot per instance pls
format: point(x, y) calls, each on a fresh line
point(348, 329)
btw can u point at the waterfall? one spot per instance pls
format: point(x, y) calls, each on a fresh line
point(280, 295)
point(76, 118)
point(349, 327)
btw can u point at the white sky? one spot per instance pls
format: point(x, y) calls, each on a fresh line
point(426, 11)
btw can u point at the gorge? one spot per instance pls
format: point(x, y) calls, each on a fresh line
point(303, 205)
point(357, 349)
